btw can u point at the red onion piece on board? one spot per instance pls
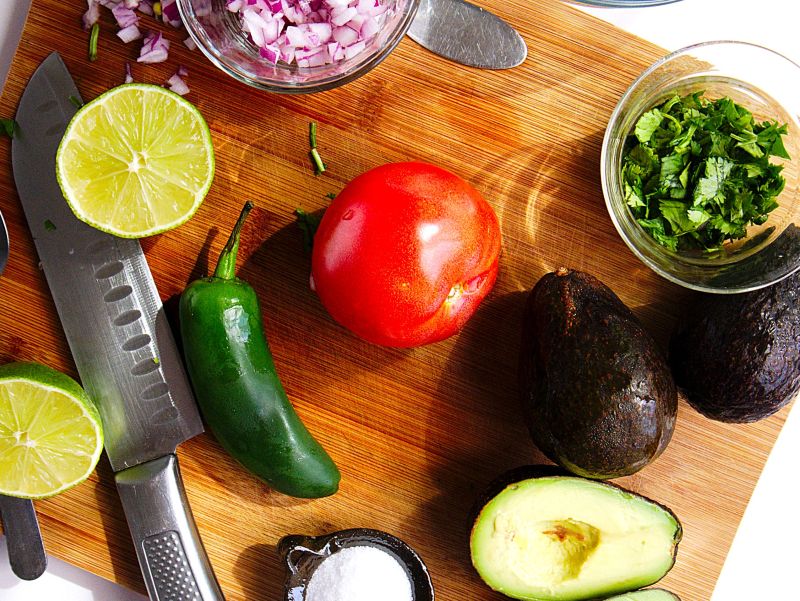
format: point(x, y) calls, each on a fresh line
point(155, 48)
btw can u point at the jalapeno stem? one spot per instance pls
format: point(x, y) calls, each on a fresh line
point(226, 266)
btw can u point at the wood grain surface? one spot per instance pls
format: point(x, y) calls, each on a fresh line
point(417, 433)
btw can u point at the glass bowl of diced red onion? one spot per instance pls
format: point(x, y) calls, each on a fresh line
point(297, 46)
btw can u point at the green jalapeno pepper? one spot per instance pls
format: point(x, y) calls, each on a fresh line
point(236, 385)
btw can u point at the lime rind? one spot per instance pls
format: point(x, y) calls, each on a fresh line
point(68, 445)
point(103, 172)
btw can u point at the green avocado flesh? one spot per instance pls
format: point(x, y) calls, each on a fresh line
point(651, 594)
point(565, 538)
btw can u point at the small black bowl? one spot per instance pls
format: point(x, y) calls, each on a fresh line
point(303, 554)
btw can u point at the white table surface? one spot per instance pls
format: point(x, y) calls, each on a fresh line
point(763, 561)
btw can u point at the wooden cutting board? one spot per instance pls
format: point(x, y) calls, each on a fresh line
point(416, 433)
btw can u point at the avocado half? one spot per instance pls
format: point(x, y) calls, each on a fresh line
point(650, 594)
point(566, 538)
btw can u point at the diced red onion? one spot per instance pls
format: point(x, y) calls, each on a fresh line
point(345, 36)
point(182, 71)
point(310, 32)
point(128, 75)
point(177, 85)
point(202, 8)
point(353, 49)
point(146, 7)
point(125, 16)
point(132, 4)
point(129, 33)
point(169, 10)
point(155, 48)
point(341, 16)
point(91, 15)
point(189, 43)
point(270, 52)
point(369, 29)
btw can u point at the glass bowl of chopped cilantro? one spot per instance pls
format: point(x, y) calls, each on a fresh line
point(697, 168)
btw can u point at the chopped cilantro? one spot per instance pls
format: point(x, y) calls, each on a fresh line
point(8, 127)
point(49, 225)
point(696, 172)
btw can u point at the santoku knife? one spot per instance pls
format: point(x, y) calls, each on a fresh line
point(121, 344)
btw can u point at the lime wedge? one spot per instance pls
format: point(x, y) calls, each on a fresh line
point(136, 161)
point(51, 435)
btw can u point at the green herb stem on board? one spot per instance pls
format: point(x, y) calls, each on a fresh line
point(316, 159)
point(696, 172)
point(93, 36)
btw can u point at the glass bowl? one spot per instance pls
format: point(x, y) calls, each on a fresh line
point(303, 554)
point(219, 35)
point(624, 3)
point(767, 84)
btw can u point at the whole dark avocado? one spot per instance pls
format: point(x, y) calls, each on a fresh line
point(597, 393)
point(737, 356)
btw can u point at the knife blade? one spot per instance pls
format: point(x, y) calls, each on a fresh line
point(467, 34)
point(122, 346)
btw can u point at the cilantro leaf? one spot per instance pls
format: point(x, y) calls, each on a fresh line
point(8, 127)
point(647, 125)
point(676, 214)
point(655, 227)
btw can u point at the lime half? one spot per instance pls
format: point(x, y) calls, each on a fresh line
point(136, 161)
point(51, 435)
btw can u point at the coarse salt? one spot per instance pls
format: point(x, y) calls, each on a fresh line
point(360, 573)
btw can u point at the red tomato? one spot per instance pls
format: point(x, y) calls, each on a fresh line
point(405, 254)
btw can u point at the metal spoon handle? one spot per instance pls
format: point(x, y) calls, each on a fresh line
point(25, 547)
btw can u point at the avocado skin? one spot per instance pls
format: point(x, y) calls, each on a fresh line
point(648, 594)
point(597, 392)
point(737, 356)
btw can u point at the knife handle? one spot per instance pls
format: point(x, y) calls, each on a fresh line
point(173, 561)
point(23, 537)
